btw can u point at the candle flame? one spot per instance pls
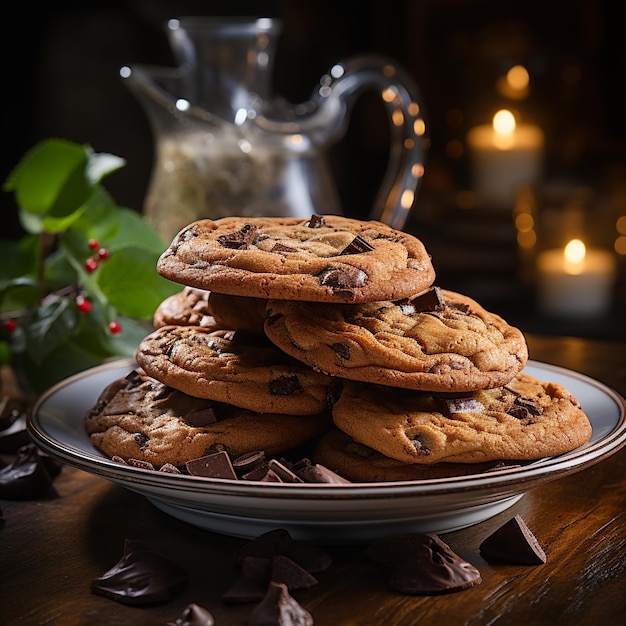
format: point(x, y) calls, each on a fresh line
point(574, 256)
point(504, 123)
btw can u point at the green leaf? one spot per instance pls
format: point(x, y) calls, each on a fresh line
point(51, 179)
point(102, 164)
point(131, 284)
point(5, 353)
point(54, 324)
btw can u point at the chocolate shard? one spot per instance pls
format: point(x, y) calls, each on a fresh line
point(342, 350)
point(204, 417)
point(422, 564)
point(169, 468)
point(357, 246)
point(239, 240)
point(316, 221)
point(279, 607)
point(283, 472)
point(429, 301)
point(29, 476)
point(529, 404)
point(140, 577)
point(216, 465)
point(320, 474)
point(251, 586)
point(247, 462)
point(194, 615)
point(279, 542)
point(285, 571)
point(513, 543)
point(342, 280)
point(140, 463)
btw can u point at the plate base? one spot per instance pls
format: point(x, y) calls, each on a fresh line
point(327, 533)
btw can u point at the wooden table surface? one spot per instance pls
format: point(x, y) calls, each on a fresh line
point(51, 549)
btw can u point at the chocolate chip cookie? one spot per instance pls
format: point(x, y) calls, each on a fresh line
point(525, 420)
point(359, 463)
point(236, 368)
point(190, 307)
point(322, 259)
point(437, 341)
point(138, 417)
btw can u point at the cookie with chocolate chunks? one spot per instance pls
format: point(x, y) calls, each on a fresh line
point(359, 463)
point(189, 307)
point(141, 419)
point(321, 259)
point(233, 367)
point(438, 340)
point(525, 420)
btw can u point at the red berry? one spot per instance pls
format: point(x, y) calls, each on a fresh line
point(91, 264)
point(10, 326)
point(103, 254)
point(93, 244)
point(114, 327)
point(84, 306)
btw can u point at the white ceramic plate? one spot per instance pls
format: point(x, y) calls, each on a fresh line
point(315, 512)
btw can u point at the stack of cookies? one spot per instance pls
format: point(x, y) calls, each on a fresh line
point(328, 333)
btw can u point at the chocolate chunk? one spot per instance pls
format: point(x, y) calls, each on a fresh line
point(279, 542)
point(342, 280)
point(169, 468)
point(141, 439)
point(285, 571)
point(513, 543)
point(283, 472)
point(29, 476)
point(420, 444)
point(239, 240)
point(320, 474)
point(194, 615)
point(197, 419)
point(279, 607)
point(14, 436)
point(530, 405)
point(140, 577)
point(356, 246)
point(249, 461)
point(316, 221)
point(285, 386)
point(342, 350)
point(258, 473)
point(140, 463)
point(428, 301)
point(217, 465)
point(251, 586)
point(422, 564)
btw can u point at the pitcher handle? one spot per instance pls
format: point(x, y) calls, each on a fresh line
point(342, 85)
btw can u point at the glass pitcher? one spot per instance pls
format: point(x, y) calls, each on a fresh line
point(224, 145)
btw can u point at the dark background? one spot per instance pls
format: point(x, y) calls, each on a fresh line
point(61, 79)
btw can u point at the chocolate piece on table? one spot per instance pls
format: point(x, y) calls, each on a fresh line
point(29, 476)
point(279, 542)
point(252, 584)
point(513, 543)
point(217, 465)
point(140, 577)
point(289, 573)
point(279, 607)
point(422, 564)
point(194, 615)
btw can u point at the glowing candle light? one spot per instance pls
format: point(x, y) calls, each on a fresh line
point(504, 155)
point(575, 281)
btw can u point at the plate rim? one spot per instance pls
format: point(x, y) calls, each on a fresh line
point(543, 469)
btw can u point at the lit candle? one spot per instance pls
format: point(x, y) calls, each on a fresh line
point(574, 281)
point(504, 155)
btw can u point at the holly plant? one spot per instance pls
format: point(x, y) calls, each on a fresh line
point(80, 286)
